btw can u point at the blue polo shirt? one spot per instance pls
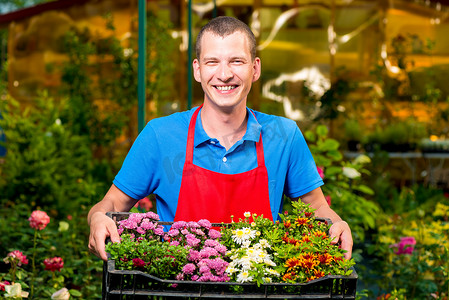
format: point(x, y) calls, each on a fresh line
point(155, 162)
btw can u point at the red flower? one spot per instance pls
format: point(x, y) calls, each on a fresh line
point(301, 221)
point(144, 203)
point(138, 263)
point(328, 200)
point(39, 219)
point(53, 264)
point(2, 285)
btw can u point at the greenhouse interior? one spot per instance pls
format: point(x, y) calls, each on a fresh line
point(362, 79)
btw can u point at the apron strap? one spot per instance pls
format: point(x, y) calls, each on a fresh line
point(191, 136)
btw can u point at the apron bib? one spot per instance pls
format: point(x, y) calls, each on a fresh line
point(205, 194)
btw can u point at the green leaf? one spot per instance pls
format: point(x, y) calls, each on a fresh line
point(75, 293)
point(364, 189)
point(322, 131)
point(310, 136)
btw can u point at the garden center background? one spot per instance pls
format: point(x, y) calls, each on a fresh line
point(373, 72)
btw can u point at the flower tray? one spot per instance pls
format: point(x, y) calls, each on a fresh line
point(125, 284)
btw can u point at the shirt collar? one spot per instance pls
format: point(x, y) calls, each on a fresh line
point(253, 129)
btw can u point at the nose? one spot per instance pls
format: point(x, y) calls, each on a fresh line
point(224, 72)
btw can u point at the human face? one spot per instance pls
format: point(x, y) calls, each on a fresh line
point(226, 70)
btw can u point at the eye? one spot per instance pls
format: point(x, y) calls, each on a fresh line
point(210, 62)
point(238, 61)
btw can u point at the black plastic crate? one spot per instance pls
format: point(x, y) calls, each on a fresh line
point(124, 284)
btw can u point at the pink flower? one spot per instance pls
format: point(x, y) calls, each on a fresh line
point(53, 264)
point(144, 203)
point(188, 269)
point(328, 200)
point(39, 219)
point(16, 256)
point(2, 285)
point(405, 246)
point(214, 234)
point(320, 172)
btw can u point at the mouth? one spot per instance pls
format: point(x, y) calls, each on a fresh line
point(225, 88)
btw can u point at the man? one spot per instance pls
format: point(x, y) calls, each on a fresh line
point(222, 158)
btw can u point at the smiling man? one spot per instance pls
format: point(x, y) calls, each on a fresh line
point(221, 159)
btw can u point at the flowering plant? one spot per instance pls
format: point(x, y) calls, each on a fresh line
point(191, 249)
point(254, 249)
point(295, 250)
point(140, 247)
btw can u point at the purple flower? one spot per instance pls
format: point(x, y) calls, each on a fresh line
point(211, 243)
point(193, 225)
point(199, 232)
point(189, 269)
point(159, 231)
point(205, 223)
point(221, 249)
point(147, 224)
point(140, 230)
point(194, 255)
point(405, 246)
point(179, 225)
point(173, 232)
point(214, 234)
point(192, 241)
point(207, 252)
point(204, 269)
point(152, 215)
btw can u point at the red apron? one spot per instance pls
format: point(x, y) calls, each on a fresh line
point(215, 196)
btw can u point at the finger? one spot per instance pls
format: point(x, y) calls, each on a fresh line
point(335, 234)
point(100, 248)
point(346, 244)
point(113, 234)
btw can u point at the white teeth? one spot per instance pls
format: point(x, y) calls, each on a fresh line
point(225, 88)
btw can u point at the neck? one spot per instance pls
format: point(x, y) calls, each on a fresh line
point(227, 127)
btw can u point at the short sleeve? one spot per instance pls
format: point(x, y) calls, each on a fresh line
point(302, 173)
point(138, 175)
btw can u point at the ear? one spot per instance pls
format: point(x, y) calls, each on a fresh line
point(257, 68)
point(196, 70)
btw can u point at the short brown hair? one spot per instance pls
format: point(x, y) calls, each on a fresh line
point(224, 26)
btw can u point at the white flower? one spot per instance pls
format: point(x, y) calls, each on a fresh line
point(246, 244)
point(62, 294)
point(264, 243)
point(253, 224)
point(269, 262)
point(244, 277)
point(245, 262)
point(230, 269)
point(243, 234)
point(247, 214)
point(15, 291)
point(267, 279)
point(351, 172)
point(273, 272)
